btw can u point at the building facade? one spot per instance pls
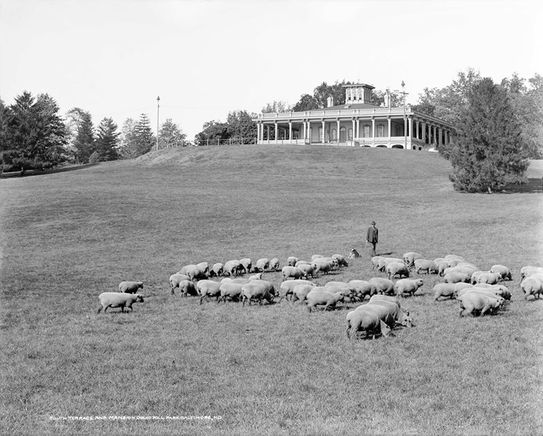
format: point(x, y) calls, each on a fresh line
point(358, 122)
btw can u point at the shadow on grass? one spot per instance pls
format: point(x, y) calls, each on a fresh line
point(39, 172)
point(534, 185)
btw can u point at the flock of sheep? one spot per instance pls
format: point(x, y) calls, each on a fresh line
point(479, 292)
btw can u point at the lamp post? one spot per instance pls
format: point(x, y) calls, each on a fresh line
point(404, 116)
point(157, 119)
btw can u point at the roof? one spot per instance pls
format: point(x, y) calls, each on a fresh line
point(352, 106)
point(358, 85)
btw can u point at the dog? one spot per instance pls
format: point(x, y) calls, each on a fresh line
point(354, 254)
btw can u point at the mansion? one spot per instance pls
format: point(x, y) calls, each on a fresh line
point(358, 122)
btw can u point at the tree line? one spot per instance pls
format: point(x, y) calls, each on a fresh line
point(33, 135)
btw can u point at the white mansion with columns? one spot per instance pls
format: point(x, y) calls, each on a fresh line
point(356, 123)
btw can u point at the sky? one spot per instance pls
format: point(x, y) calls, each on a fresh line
point(205, 59)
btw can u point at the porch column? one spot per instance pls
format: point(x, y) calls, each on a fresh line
point(258, 132)
point(416, 136)
point(354, 131)
point(322, 131)
point(338, 126)
point(389, 132)
point(423, 138)
point(276, 132)
point(358, 128)
point(438, 139)
point(373, 130)
point(305, 131)
point(290, 131)
point(409, 142)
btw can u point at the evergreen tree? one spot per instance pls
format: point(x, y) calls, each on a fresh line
point(213, 132)
point(106, 140)
point(241, 127)
point(84, 139)
point(137, 137)
point(35, 135)
point(488, 152)
point(171, 135)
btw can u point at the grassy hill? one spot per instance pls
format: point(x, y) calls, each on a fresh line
point(69, 236)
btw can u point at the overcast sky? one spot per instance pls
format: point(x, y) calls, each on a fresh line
point(206, 58)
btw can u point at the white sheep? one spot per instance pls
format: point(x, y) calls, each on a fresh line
point(300, 291)
point(503, 271)
point(485, 277)
point(407, 286)
point(287, 287)
point(457, 276)
point(233, 268)
point(532, 285)
point(130, 287)
point(396, 268)
point(247, 265)
point(261, 265)
point(118, 299)
point(274, 264)
point(291, 261)
point(186, 287)
point(409, 258)
point(340, 260)
point(445, 290)
point(216, 270)
point(175, 279)
point(381, 285)
point(208, 288)
point(292, 272)
point(361, 288)
point(425, 265)
point(321, 297)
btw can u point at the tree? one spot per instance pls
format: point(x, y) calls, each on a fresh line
point(107, 139)
point(170, 135)
point(276, 106)
point(35, 135)
point(212, 131)
point(241, 126)
point(84, 140)
point(323, 91)
point(307, 102)
point(137, 137)
point(489, 152)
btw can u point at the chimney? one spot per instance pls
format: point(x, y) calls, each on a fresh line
point(330, 101)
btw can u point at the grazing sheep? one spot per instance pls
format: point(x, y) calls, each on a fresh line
point(396, 269)
point(463, 267)
point(361, 288)
point(394, 314)
point(407, 286)
point(324, 265)
point(384, 261)
point(233, 268)
point(216, 270)
point(257, 276)
point(498, 290)
point(472, 303)
point(292, 272)
point(365, 319)
point(274, 264)
point(346, 289)
point(118, 299)
point(526, 271)
point(130, 287)
point(261, 265)
point(186, 287)
point(503, 271)
point(409, 258)
point(485, 277)
point(340, 260)
point(175, 279)
point(300, 291)
point(287, 287)
point(230, 289)
point(291, 261)
point(193, 272)
point(425, 265)
point(208, 288)
point(381, 285)
point(257, 290)
point(445, 290)
point(532, 285)
point(204, 267)
point(375, 262)
point(319, 296)
point(308, 269)
point(457, 276)
point(441, 265)
point(246, 265)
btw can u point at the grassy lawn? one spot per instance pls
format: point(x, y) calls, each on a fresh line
point(66, 237)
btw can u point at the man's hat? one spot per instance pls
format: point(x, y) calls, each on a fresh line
point(373, 223)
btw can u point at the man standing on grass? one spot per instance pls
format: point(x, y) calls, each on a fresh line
point(372, 237)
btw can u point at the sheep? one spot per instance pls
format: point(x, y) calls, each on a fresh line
point(395, 314)
point(291, 261)
point(503, 271)
point(261, 265)
point(230, 289)
point(396, 268)
point(300, 291)
point(316, 256)
point(323, 265)
point(175, 279)
point(477, 302)
point(246, 265)
point(233, 268)
point(367, 319)
point(425, 265)
point(216, 270)
point(340, 260)
point(362, 288)
point(464, 267)
point(457, 276)
point(526, 271)
point(130, 287)
point(451, 258)
point(257, 276)
point(193, 272)
point(384, 261)
point(274, 264)
point(407, 286)
point(532, 285)
point(446, 290)
point(292, 272)
point(308, 269)
point(375, 261)
point(320, 296)
point(409, 258)
point(287, 287)
point(381, 285)
point(118, 299)
point(346, 289)
point(485, 277)
point(204, 268)
point(208, 288)
point(257, 290)
point(499, 290)
point(441, 265)
point(186, 287)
